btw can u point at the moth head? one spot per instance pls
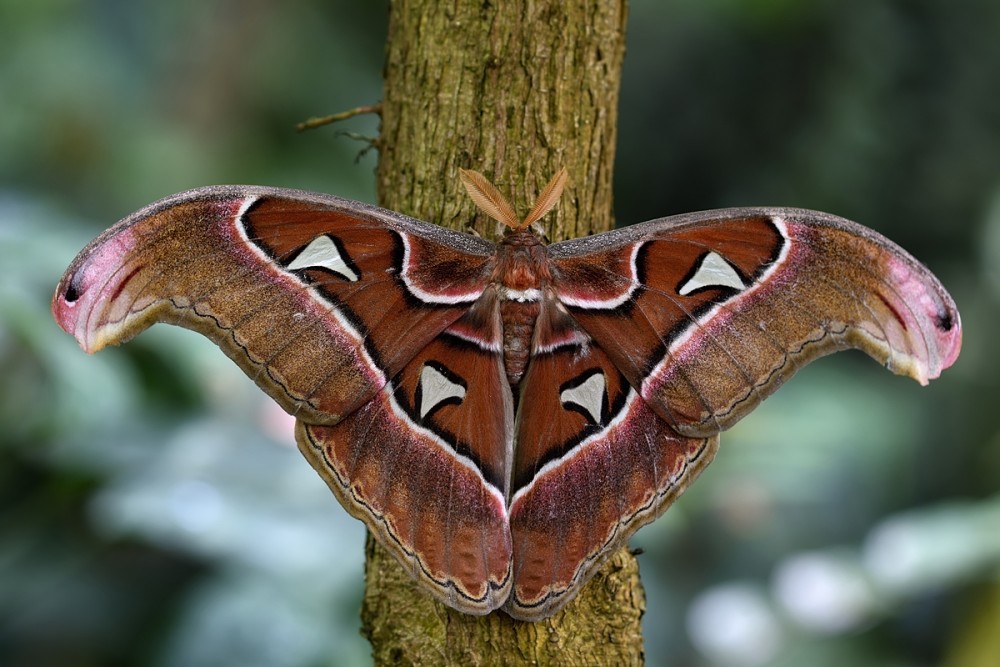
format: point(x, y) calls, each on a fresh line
point(494, 204)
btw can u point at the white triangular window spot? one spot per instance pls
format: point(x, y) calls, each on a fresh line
point(323, 253)
point(714, 271)
point(588, 395)
point(436, 388)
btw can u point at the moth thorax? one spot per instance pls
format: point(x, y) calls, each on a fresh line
point(518, 319)
point(522, 263)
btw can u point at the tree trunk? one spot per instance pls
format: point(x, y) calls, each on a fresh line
point(515, 90)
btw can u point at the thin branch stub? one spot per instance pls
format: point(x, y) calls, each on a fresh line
point(320, 121)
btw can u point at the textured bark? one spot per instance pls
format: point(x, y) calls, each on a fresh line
point(514, 90)
point(407, 627)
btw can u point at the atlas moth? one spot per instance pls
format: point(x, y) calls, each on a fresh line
point(503, 416)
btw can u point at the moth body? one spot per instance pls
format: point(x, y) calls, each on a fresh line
point(523, 279)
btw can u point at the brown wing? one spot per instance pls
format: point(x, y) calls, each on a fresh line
point(373, 329)
point(318, 299)
point(425, 466)
point(707, 314)
point(593, 463)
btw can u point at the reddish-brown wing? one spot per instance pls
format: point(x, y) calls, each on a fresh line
point(592, 464)
point(425, 466)
point(320, 300)
point(373, 329)
point(707, 314)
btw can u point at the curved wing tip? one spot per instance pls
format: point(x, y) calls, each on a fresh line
point(68, 312)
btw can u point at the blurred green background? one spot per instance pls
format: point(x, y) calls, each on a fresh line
point(153, 509)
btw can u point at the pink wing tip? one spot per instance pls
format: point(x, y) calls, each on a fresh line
point(93, 279)
point(72, 301)
point(932, 312)
point(96, 285)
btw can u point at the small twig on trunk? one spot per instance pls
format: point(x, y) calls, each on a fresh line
point(313, 123)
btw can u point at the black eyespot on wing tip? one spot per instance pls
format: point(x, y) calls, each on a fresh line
point(945, 321)
point(72, 292)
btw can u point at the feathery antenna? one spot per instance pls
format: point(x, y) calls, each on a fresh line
point(494, 204)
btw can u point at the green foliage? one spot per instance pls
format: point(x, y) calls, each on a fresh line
point(150, 510)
